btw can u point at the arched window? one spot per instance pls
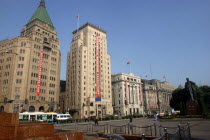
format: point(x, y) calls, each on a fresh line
point(41, 109)
point(45, 39)
point(31, 109)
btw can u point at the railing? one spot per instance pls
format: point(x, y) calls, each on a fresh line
point(181, 132)
point(139, 130)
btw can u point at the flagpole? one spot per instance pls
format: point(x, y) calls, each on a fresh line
point(151, 70)
point(130, 68)
point(25, 31)
point(77, 22)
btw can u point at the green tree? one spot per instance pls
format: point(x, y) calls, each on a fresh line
point(179, 99)
point(91, 112)
point(204, 98)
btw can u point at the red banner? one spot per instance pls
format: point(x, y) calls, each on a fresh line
point(140, 93)
point(97, 68)
point(156, 98)
point(149, 99)
point(39, 74)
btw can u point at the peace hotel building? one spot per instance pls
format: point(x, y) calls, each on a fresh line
point(30, 67)
point(88, 81)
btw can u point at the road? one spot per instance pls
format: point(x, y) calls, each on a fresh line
point(200, 129)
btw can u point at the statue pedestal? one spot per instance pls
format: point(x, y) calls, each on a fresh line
point(192, 108)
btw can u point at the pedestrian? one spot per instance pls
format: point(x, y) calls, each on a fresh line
point(155, 116)
point(96, 121)
point(131, 119)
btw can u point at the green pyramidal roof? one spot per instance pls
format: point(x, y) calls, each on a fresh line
point(41, 16)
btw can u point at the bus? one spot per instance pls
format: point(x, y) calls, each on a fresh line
point(63, 117)
point(42, 116)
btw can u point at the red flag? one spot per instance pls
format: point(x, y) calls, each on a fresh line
point(77, 16)
point(128, 62)
point(146, 76)
point(164, 77)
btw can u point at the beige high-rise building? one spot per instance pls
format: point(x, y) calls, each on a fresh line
point(30, 67)
point(88, 81)
point(127, 94)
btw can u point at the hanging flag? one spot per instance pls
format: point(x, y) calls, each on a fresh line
point(164, 77)
point(77, 22)
point(128, 62)
point(146, 76)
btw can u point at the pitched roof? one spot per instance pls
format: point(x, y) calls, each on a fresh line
point(41, 16)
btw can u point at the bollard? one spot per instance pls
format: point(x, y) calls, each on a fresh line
point(166, 134)
point(107, 127)
point(128, 128)
point(131, 127)
point(143, 137)
point(155, 129)
point(189, 130)
point(180, 136)
point(160, 130)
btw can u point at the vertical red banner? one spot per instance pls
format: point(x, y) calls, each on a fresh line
point(126, 92)
point(156, 98)
point(140, 93)
point(149, 99)
point(97, 68)
point(39, 74)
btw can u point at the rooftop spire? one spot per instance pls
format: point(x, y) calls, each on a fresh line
point(42, 3)
point(41, 16)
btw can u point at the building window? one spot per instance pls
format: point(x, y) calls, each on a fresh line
point(23, 44)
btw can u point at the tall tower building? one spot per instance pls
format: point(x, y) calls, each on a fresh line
point(88, 81)
point(30, 67)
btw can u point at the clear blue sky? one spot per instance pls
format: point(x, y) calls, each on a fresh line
point(173, 36)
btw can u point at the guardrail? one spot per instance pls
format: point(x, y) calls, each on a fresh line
point(181, 132)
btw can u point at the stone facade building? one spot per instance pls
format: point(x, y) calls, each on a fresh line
point(88, 81)
point(127, 94)
point(62, 97)
point(157, 96)
point(30, 67)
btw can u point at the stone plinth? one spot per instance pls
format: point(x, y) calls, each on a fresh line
point(8, 131)
point(11, 129)
point(34, 130)
point(192, 108)
point(9, 118)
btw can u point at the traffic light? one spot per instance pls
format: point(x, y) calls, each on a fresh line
point(7, 100)
point(26, 101)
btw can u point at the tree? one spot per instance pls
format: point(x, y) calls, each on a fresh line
point(91, 112)
point(179, 99)
point(204, 98)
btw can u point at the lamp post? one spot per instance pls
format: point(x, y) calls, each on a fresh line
point(15, 105)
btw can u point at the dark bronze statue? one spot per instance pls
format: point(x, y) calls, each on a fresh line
point(191, 86)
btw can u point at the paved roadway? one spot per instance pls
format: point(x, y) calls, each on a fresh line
point(200, 129)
